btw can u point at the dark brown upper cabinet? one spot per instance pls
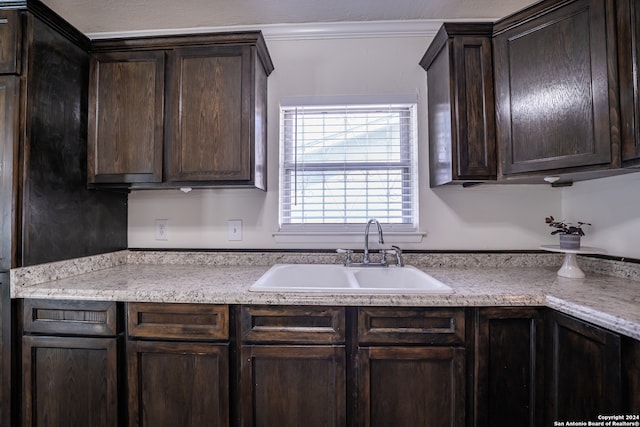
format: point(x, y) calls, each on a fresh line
point(10, 38)
point(9, 151)
point(556, 88)
point(179, 111)
point(126, 102)
point(462, 144)
point(44, 70)
point(628, 15)
point(210, 113)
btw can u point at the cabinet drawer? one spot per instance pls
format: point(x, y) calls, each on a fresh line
point(293, 324)
point(9, 42)
point(411, 325)
point(178, 321)
point(70, 317)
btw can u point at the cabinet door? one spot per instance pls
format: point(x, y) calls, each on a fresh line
point(461, 111)
point(292, 386)
point(209, 114)
point(10, 36)
point(126, 101)
point(552, 90)
point(630, 376)
point(8, 169)
point(628, 29)
point(584, 366)
point(69, 381)
point(178, 384)
point(6, 397)
point(411, 386)
point(509, 353)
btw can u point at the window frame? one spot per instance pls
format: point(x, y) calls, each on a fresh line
point(408, 162)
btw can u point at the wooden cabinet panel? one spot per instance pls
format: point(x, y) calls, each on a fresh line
point(210, 112)
point(294, 324)
point(284, 384)
point(70, 317)
point(553, 86)
point(6, 349)
point(207, 117)
point(126, 117)
point(178, 321)
point(61, 218)
point(69, 381)
point(411, 325)
point(178, 383)
point(630, 376)
point(509, 364)
point(404, 386)
point(46, 211)
point(8, 170)
point(10, 41)
point(628, 31)
point(462, 144)
point(183, 381)
point(583, 370)
point(292, 385)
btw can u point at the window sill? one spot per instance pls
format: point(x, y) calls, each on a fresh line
point(344, 237)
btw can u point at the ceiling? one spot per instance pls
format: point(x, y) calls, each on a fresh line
point(121, 16)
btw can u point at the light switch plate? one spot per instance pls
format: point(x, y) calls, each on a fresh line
point(234, 229)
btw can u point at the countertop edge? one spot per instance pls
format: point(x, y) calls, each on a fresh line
point(124, 276)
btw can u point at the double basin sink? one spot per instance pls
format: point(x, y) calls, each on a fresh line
point(340, 279)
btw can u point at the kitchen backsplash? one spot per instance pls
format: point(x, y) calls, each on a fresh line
point(53, 271)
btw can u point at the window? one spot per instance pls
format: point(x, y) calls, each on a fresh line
point(344, 164)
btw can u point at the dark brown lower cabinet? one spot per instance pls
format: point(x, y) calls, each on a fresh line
point(215, 365)
point(286, 385)
point(583, 370)
point(69, 381)
point(178, 364)
point(509, 365)
point(70, 363)
point(630, 376)
point(178, 384)
point(411, 366)
point(411, 386)
point(292, 366)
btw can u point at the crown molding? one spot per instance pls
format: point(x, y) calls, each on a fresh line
point(304, 31)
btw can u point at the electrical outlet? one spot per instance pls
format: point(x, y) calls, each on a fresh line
point(234, 229)
point(162, 229)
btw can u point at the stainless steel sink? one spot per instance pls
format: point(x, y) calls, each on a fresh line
point(331, 278)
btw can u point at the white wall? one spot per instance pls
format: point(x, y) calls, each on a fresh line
point(482, 217)
point(612, 206)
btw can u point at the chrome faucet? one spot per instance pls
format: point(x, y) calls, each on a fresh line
point(366, 238)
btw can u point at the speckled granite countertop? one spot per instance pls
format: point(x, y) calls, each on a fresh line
point(609, 296)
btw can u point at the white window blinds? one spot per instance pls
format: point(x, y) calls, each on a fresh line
point(345, 164)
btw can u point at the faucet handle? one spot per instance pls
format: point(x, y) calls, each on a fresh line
point(348, 252)
point(398, 253)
